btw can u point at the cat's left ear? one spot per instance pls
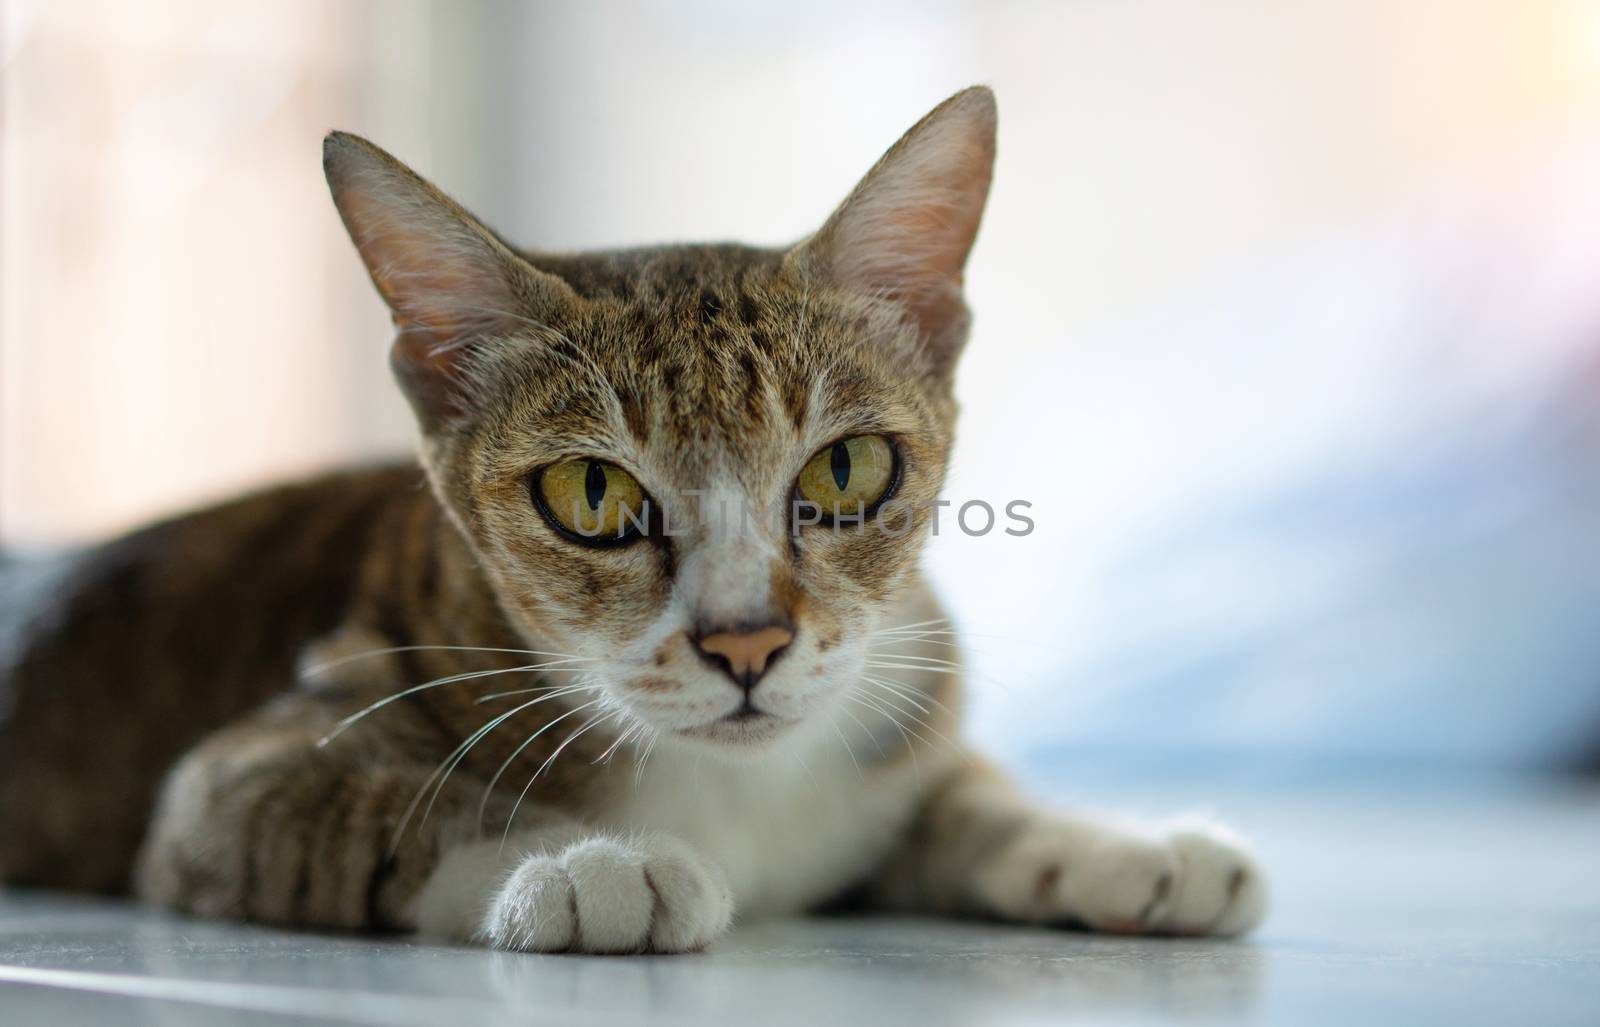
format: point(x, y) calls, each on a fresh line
point(905, 231)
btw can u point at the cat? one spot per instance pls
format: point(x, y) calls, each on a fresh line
point(539, 694)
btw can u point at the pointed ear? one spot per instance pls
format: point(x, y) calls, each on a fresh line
point(906, 230)
point(450, 282)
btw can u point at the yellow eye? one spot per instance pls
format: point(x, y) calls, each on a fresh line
point(847, 478)
point(592, 499)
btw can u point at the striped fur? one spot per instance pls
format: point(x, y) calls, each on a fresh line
point(186, 712)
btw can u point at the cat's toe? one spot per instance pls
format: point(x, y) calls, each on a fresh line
point(535, 910)
point(693, 904)
point(1222, 890)
point(613, 905)
point(1123, 885)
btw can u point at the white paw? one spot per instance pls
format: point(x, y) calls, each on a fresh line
point(1189, 878)
point(607, 895)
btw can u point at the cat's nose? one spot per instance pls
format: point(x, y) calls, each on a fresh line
point(745, 654)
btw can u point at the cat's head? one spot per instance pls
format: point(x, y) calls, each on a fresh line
point(706, 470)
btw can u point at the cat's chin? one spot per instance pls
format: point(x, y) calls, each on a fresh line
point(736, 739)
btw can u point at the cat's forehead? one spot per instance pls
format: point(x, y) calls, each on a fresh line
point(652, 275)
point(711, 360)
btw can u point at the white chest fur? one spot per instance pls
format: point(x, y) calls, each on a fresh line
point(788, 834)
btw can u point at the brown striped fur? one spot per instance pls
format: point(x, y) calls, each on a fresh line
point(223, 651)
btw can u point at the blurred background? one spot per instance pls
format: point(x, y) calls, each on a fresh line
point(1288, 314)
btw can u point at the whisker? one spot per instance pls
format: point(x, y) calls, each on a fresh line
point(849, 751)
point(913, 639)
point(523, 745)
point(928, 663)
point(889, 649)
point(888, 705)
point(621, 738)
point(933, 661)
point(650, 747)
point(911, 631)
point(451, 760)
point(910, 748)
point(880, 683)
point(889, 665)
point(915, 722)
point(591, 722)
point(800, 760)
point(933, 667)
point(344, 725)
point(492, 696)
point(640, 734)
point(966, 636)
point(903, 694)
point(963, 633)
point(488, 791)
point(870, 733)
point(909, 693)
point(914, 625)
point(368, 654)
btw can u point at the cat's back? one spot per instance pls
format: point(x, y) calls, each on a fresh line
point(115, 659)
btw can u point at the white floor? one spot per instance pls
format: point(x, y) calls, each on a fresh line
point(1408, 907)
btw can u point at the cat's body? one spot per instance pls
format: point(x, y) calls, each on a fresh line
point(133, 652)
point(432, 698)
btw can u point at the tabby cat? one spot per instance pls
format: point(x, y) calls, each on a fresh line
point(640, 647)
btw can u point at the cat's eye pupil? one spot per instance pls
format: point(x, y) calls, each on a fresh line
point(594, 484)
point(840, 462)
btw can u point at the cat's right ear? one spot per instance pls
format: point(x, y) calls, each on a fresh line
point(450, 282)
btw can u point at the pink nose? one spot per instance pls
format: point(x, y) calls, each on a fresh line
point(745, 655)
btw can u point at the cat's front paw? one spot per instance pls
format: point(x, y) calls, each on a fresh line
point(606, 895)
point(1190, 878)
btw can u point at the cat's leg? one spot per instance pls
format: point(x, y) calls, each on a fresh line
point(260, 823)
point(977, 848)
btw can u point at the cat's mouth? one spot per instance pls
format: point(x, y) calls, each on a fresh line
point(746, 725)
point(746, 711)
